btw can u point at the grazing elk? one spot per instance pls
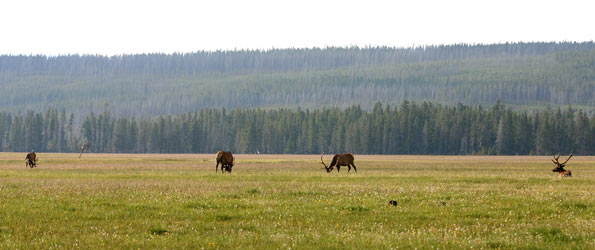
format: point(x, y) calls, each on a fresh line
point(338, 161)
point(227, 161)
point(31, 159)
point(560, 166)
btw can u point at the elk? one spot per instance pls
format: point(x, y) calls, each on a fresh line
point(31, 159)
point(560, 166)
point(227, 161)
point(340, 160)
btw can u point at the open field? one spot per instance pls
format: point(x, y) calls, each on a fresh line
point(288, 201)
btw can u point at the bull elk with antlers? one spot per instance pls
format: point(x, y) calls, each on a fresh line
point(560, 166)
point(338, 161)
point(227, 161)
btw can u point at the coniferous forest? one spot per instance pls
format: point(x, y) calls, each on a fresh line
point(408, 128)
point(513, 98)
point(521, 75)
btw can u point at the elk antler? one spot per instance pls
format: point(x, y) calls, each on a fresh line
point(322, 162)
point(555, 160)
point(567, 159)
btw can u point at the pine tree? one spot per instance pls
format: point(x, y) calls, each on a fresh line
point(15, 137)
point(544, 140)
point(121, 137)
point(132, 137)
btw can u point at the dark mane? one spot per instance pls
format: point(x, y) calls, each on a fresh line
point(334, 162)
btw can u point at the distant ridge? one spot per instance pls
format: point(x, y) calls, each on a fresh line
point(523, 75)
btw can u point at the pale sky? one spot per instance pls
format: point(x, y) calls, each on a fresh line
point(111, 27)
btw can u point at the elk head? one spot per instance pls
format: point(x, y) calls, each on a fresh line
point(233, 162)
point(328, 170)
point(560, 166)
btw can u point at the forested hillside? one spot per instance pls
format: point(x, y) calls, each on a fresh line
point(522, 75)
point(408, 128)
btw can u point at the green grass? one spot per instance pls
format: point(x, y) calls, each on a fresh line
point(271, 202)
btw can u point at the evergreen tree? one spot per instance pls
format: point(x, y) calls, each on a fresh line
point(16, 142)
point(410, 129)
point(120, 141)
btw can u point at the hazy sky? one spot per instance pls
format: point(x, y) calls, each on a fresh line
point(111, 27)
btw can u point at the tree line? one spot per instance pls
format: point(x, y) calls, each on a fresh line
point(409, 128)
point(291, 59)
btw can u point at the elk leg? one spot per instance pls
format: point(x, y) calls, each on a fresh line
point(354, 168)
point(217, 167)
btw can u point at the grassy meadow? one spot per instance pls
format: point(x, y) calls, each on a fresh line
point(287, 201)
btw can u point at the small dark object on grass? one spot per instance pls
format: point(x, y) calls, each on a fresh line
point(158, 230)
point(393, 203)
